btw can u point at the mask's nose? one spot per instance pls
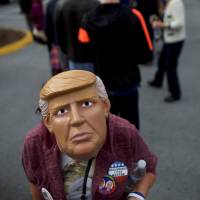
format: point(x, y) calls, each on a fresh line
point(76, 117)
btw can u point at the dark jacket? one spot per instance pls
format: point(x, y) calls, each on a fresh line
point(68, 16)
point(41, 158)
point(50, 30)
point(118, 43)
point(25, 6)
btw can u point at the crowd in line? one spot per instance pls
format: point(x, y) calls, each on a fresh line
point(112, 38)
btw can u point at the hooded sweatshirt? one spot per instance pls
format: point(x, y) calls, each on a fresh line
point(117, 39)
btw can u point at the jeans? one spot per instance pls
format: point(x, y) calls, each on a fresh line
point(81, 66)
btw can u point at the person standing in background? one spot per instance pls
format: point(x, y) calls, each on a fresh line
point(52, 44)
point(25, 7)
point(173, 26)
point(120, 41)
point(68, 16)
point(148, 8)
point(38, 19)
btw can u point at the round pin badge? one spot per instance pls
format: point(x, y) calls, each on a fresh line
point(119, 171)
point(107, 185)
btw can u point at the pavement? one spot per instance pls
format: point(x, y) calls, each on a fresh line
point(171, 130)
point(12, 40)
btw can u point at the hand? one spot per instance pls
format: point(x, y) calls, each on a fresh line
point(157, 24)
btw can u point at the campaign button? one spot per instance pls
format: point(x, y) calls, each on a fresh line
point(119, 171)
point(107, 185)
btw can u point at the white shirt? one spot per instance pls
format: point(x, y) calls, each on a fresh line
point(174, 17)
point(75, 188)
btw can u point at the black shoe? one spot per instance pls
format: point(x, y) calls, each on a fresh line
point(170, 99)
point(154, 84)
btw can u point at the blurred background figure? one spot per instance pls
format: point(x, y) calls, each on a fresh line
point(68, 16)
point(148, 8)
point(119, 40)
point(55, 57)
point(25, 7)
point(41, 22)
point(38, 17)
point(125, 2)
point(34, 15)
point(173, 25)
point(50, 30)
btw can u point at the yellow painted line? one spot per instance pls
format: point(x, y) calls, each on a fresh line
point(21, 43)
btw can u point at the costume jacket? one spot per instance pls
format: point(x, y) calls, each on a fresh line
point(41, 158)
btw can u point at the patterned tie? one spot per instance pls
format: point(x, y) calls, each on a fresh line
point(73, 171)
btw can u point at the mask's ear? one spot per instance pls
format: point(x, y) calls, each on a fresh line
point(47, 123)
point(107, 105)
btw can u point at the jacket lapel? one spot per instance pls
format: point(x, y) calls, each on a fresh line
point(55, 178)
point(103, 162)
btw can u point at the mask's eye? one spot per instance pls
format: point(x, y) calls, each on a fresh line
point(61, 112)
point(87, 104)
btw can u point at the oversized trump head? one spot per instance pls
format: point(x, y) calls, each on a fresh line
point(75, 106)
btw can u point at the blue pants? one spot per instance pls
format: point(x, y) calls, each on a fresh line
point(81, 66)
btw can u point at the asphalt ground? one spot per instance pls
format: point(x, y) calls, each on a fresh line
point(171, 130)
point(12, 40)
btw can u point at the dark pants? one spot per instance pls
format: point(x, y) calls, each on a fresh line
point(168, 62)
point(126, 107)
point(29, 22)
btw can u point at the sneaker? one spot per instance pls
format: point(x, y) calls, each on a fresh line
point(170, 99)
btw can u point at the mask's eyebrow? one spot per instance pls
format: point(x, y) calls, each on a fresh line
point(64, 105)
point(58, 107)
point(94, 98)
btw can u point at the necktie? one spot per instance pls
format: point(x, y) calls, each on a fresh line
point(73, 171)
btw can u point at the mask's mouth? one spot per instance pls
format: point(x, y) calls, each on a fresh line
point(81, 137)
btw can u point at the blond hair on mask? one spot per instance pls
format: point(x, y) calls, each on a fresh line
point(67, 82)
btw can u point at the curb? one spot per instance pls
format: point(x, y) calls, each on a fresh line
point(10, 48)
